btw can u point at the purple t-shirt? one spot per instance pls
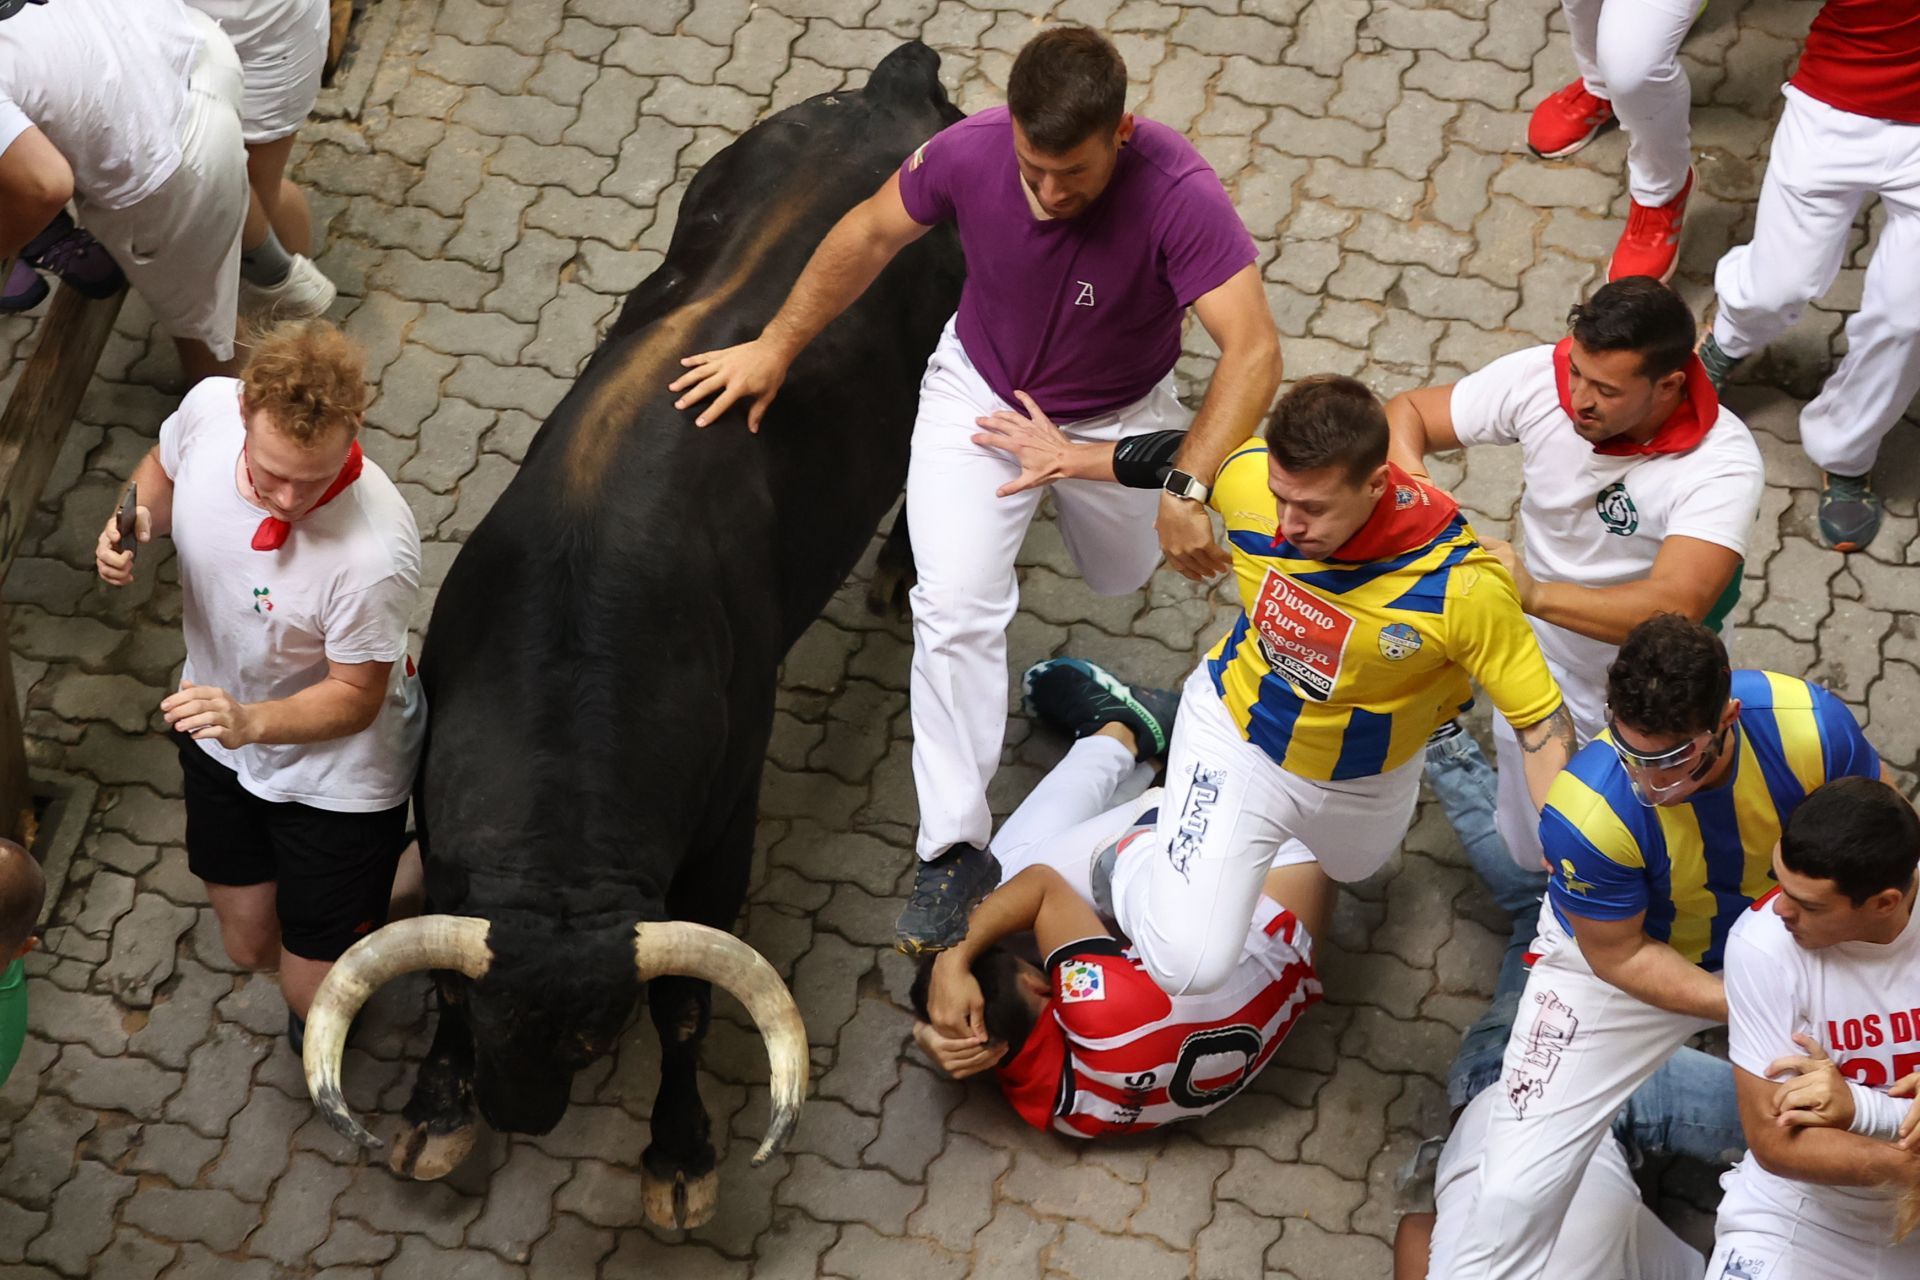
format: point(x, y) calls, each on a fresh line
point(1082, 313)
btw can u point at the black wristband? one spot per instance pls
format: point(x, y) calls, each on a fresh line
point(1142, 462)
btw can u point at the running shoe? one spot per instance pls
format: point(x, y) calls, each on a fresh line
point(945, 892)
point(1849, 511)
point(1718, 363)
point(82, 263)
point(24, 289)
point(1567, 121)
point(1076, 697)
point(1650, 246)
point(305, 294)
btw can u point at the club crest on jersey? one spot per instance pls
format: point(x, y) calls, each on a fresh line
point(1398, 642)
point(1617, 511)
point(1569, 882)
point(1082, 980)
point(1404, 496)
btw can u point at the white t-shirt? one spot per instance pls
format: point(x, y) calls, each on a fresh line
point(1595, 519)
point(1861, 1002)
point(1608, 1232)
point(106, 81)
point(263, 624)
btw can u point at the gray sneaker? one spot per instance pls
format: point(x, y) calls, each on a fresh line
point(1849, 511)
point(945, 892)
point(1719, 364)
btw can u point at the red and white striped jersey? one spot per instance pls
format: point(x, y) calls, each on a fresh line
point(1112, 1053)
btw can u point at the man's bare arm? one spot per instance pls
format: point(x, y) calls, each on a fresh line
point(1689, 576)
point(1420, 422)
point(1545, 749)
point(35, 184)
point(1822, 1156)
point(1622, 954)
point(853, 254)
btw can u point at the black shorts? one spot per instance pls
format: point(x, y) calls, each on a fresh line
point(334, 871)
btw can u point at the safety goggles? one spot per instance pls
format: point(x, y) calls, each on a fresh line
point(1702, 752)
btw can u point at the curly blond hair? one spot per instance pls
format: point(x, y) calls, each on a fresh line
point(309, 378)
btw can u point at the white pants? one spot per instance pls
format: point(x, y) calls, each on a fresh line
point(180, 247)
point(1757, 1238)
point(965, 540)
point(1084, 804)
point(1609, 1233)
point(1825, 163)
point(1579, 1048)
point(1228, 809)
point(1628, 52)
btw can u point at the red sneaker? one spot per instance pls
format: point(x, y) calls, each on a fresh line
point(1567, 121)
point(1650, 246)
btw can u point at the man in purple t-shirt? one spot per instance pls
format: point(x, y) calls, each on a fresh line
point(1088, 233)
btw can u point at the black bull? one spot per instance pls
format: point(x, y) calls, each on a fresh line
point(601, 662)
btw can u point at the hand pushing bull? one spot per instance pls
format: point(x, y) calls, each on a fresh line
point(298, 718)
point(1088, 233)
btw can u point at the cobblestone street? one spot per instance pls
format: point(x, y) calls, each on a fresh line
point(488, 181)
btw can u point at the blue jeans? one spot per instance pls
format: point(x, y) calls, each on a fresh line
point(1687, 1107)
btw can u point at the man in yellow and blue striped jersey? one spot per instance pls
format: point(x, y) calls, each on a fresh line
point(1368, 608)
point(1660, 834)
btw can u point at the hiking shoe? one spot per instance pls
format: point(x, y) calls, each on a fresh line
point(305, 294)
point(1719, 364)
point(82, 263)
point(945, 891)
point(1849, 511)
point(24, 289)
point(1076, 697)
point(1567, 121)
point(1650, 246)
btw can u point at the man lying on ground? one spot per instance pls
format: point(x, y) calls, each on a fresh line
point(1086, 1043)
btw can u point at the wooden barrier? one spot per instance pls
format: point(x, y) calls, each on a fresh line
point(33, 426)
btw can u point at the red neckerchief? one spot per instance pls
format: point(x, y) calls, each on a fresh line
point(1408, 515)
point(1684, 428)
point(273, 531)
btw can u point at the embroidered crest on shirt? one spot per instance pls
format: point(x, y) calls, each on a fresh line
point(1086, 294)
point(1082, 980)
point(262, 601)
point(1302, 636)
point(1617, 511)
point(1398, 642)
point(1567, 880)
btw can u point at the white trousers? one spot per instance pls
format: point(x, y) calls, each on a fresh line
point(1228, 809)
point(1579, 1048)
point(1085, 803)
point(180, 247)
point(1825, 163)
point(1628, 52)
point(965, 541)
point(1756, 1238)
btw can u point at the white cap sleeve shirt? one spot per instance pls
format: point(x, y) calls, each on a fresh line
point(106, 81)
point(1599, 520)
point(263, 625)
point(1861, 1002)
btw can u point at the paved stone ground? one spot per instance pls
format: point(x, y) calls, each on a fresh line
point(517, 170)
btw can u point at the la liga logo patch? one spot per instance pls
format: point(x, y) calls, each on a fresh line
point(1082, 980)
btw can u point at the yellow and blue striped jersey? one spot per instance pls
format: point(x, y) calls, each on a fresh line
point(1341, 668)
point(1694, 866)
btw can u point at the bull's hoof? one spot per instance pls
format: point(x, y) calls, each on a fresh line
point(678, 1201)
point(423, 1155)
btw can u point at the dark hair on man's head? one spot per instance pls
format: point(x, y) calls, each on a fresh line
point(23, 891)
point(1671, 677)
point(1637, 314)
point(1329, 420)
point(1009, 1020)
point(1067, 84)
point(1857, 832)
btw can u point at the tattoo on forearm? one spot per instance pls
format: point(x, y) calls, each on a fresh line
point(1557, 727)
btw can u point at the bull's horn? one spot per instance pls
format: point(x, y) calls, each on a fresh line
point(694, 951)
point(405, 946)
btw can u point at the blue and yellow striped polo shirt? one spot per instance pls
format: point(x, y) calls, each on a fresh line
point(1341, 669)
point(1694, 866)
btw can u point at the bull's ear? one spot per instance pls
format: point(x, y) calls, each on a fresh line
point(909, 73)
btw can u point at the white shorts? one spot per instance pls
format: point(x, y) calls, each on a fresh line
point(1229, 810)
point(283, 51)
point(180, 247)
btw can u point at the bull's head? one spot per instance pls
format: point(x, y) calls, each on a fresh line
point(460, 944)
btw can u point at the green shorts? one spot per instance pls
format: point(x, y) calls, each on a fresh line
point(13, 1016)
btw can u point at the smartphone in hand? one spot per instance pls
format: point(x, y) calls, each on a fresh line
point(129, 520)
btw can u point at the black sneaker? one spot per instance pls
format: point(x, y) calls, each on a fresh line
point(1076, 697)
point(945, 892)
point(1719, 365)
point(1849, 511)
point(82, 263)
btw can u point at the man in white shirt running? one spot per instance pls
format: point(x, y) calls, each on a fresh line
point(298, 717)
point(1835, 965)
point(1640, 491)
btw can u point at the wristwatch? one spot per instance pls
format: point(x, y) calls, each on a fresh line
point(1182, 485)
